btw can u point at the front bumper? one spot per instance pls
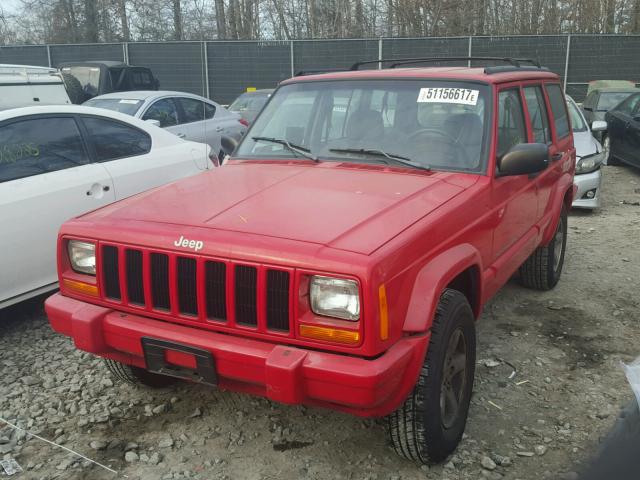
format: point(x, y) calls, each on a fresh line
point(365, 387)
point(586, 182)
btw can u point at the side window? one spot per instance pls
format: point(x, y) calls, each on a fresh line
point(559, 110)
point(629, 105)
point(511, 129)
point(163, 111)
point(112, 140)
point(209, 111)
point(39, 145)
point(537, 114)
point(192, 109)
point(588, 102)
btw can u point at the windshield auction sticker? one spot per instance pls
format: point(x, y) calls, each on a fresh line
point(462, 96)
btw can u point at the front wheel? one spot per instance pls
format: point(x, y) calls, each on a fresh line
point(543, 268)
point(429, 425)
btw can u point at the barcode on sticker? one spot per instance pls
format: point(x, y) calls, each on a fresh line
point(132, 102)
point(462, 96)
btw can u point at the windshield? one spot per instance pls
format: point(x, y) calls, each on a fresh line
point(608, 100)
point(249, 101)
point(433, 124)
point(122, 105)
point(89, 78)
point(577, 122)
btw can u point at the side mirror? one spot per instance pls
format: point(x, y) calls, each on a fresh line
point(524, 159)
point(598, 126)
point(228, 144)
point(153, 122)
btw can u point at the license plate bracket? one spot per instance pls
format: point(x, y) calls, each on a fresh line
point(154, 356)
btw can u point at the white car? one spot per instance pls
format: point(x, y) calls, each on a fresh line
point(191, 117)
point(589, 158)
point(57, 162)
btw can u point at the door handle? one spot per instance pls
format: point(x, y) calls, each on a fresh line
point(557, 156)
point(181, 135)
point(219, 129)
point(106, 188)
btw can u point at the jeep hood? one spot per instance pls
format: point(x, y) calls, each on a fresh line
point(351, 207)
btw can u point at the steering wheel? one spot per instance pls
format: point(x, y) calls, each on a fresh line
point(447, 136)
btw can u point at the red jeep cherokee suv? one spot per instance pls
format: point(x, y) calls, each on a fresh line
point(342, 254)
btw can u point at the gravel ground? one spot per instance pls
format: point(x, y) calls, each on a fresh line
point(541, 423)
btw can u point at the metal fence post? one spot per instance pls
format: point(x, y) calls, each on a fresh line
point(49, 55)
point(469, 51)
point(125, 52)
point(380, 53)
point(206, 69)
point(291, 55)
point(566, 63)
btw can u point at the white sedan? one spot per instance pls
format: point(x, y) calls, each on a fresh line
point(57, 162)
point(188, 116)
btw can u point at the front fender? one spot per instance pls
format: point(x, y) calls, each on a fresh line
point(433, 279)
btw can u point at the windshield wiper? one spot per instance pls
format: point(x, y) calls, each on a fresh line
point(381, 153)
point(305, 152)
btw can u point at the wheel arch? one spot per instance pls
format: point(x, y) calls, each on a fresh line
point(458, 268)
point(563, 197)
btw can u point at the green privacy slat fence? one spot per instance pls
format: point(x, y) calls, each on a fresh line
point(222, 70)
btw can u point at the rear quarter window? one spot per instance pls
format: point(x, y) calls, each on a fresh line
point(559, 110)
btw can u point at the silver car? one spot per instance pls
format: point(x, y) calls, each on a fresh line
point(188, 116)
point(589, 158)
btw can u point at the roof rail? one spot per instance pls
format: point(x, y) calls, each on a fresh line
point(514, 62)
point(302, 73)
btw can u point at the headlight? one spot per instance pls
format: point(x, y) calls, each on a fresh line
point(82, 256)
point(335, 297)
point(589, 163)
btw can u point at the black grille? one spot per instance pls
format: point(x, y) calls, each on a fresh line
point(160, 281)
point(110, 272)
point(246, 298)
point(187, 293)
point(135, 287)
point(278, 300)
point(215, 280)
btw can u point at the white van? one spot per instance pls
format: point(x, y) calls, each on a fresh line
point(25, 85)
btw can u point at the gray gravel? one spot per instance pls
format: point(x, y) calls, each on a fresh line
point(565, 346)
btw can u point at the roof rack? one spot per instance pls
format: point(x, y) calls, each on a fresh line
point(513, 62)
point(302, 73)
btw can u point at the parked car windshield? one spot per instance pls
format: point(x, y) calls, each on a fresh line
point(434, 124)
point(577, 122)
point(249, 101)
point(608, 100)
point(122, 105)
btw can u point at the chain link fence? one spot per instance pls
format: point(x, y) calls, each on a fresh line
point(222, 70)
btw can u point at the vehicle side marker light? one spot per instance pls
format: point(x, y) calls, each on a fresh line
point(384, 313)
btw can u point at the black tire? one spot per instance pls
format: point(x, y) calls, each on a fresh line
point(137, 375)
point(421, 429)
point(543, 268)
point(74, 89)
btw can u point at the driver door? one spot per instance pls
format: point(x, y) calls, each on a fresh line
point(515, 198)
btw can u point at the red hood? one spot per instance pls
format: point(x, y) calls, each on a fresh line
point(352, 207)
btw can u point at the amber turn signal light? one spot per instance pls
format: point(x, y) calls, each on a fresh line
point(384, 313)
point(336, 335)
point(80, 287)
